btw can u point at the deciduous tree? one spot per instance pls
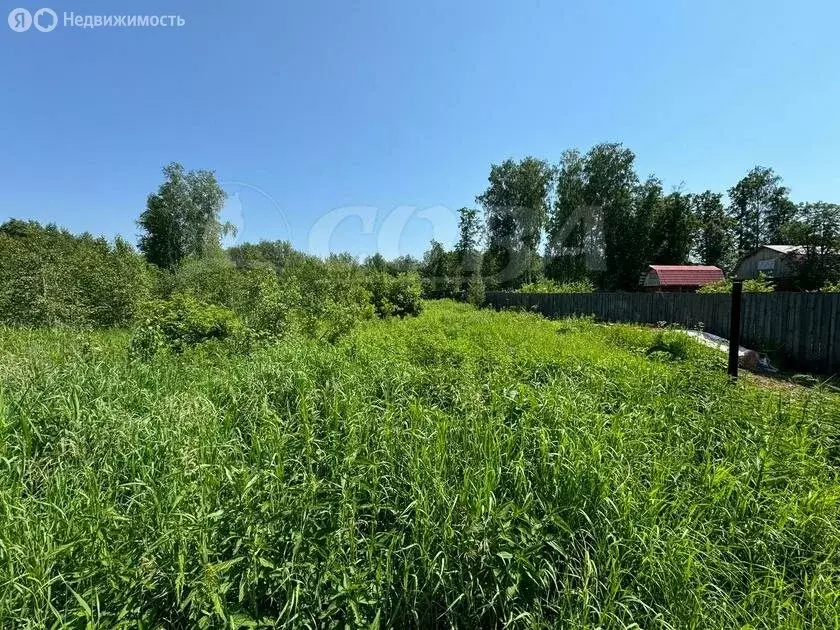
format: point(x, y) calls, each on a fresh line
point(182, 218)
point(714, 244)
point(516, 208)
point(760, 208)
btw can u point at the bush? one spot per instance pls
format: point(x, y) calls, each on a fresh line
point(549, 286)
point(179, 323)
point(253, 293)
point(405, 294)
point(831, 287)
point(333, 298)
point(760, 284)
point(475, 291)
point(399, 295)
point(266, 306)
point(212, 279)
point(50, 277)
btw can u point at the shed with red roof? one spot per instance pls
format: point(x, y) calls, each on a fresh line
point(679, 277)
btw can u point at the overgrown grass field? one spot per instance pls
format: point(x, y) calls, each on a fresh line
point(460, 469)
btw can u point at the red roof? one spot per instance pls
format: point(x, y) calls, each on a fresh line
point(685, 275)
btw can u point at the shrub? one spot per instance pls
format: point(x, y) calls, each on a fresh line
point(50, 277)
point(266, 306)
point(760, 284)
point(212, 279)
point(378, 284)
point(475, 291)
point(179, 323)
point(405, 294)
point(550, 286)
point(831, 287)
point(399, 295)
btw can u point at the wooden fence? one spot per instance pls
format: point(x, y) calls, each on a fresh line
point(802, 329)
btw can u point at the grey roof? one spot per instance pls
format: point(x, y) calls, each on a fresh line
point(786, 249)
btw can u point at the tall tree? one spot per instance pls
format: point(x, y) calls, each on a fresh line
point(760, 208)
point(672, 230)
point(182, 218)
point(612, 189)
point(565, 259)
point(818, 231)
point(437, 272)
point(714, 244)
point(467, 248)
point(515, 205)
point(469, 230)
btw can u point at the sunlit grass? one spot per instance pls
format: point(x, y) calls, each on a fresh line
point(464, 468)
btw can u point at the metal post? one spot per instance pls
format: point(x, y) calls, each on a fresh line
point(735, 328)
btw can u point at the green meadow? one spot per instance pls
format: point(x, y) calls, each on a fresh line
point(464, 468)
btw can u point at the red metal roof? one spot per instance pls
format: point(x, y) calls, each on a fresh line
point(686, 275)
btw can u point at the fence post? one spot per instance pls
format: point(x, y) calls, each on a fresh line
point(735, 328)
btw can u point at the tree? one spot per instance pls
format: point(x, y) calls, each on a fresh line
point(515, 206)
point(760, 209)
point(469, 230)
point(714, 244)
point(612, 190)
point(567, 225)
point(672, 230)
point(376, 262)
point(50, 277)
point(182, 218)
point(437, 272)
point(404, 264)
point(818, 232)
point(467, 254)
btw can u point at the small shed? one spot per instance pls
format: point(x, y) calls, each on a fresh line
point(774, 261)
point(679, 277)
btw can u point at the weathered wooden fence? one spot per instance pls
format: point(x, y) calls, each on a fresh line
point(801, 328)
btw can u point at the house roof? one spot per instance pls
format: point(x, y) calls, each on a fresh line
point(685, 275)
point(786, 249)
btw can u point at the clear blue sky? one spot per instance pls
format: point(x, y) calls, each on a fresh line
point(303, 108)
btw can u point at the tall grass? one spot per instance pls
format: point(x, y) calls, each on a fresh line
point(463, 469)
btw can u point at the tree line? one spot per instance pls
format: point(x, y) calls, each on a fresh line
point(588, 221)
point(592, 218)
point(182, 283)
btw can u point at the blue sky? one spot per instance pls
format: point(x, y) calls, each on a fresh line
point(323, 117)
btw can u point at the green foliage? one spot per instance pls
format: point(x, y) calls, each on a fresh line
point(405, 295)
point(715, 240)
point(671, 344)
point(476, 291)
point(468, 258)
point(212, 279)
point(549, 286)
point(404, 264)
point(817, 230)
point(399, 295)
point(831, 287)
point(516, 210)
point(265, 305)
point(760, 208)
point(182, 218)
point(439, 272)
point(179, 323)
point(49, 277)
point(460, 469)
point(672, 230)
point(275, 290)
point(760, 284)
point(567, 223)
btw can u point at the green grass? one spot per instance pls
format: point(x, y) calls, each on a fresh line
point(464, 468)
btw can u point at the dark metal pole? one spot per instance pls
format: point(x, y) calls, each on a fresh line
point(735, 328)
